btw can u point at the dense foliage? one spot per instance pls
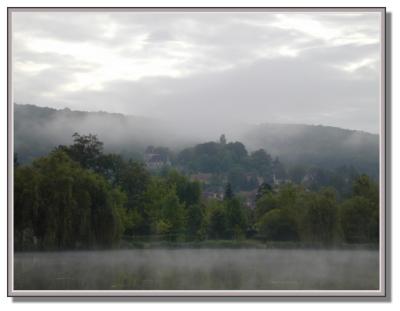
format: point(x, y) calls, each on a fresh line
point(80, 197)
point(230, 162)
point(58, 204)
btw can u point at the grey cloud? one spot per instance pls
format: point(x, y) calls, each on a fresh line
point(161, 36)
point(290, 90)
point(247, 86)
point(61, 25)
point(276, 91)
point(366, 22)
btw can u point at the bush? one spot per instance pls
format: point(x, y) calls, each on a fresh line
point(277, 225)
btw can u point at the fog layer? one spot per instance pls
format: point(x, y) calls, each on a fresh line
point(228, 269)
point(38, 130)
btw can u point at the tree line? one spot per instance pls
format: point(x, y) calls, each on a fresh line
point(231, 162)
point(79, 197)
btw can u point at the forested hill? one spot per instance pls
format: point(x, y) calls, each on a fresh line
point(38, 130)
point(321, 146)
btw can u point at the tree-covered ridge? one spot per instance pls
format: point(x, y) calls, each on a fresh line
point(38, 130)
point(78, 197)
point(232, 161)
point(320, 146)
point(218, 163)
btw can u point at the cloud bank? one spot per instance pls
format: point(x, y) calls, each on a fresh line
point(203, 69)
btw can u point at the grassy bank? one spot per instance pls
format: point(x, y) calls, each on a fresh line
point(226, 244)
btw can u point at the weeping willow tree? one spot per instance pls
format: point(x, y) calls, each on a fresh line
point(60, 205)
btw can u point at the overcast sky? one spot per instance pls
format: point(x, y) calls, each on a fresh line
point(203, 68)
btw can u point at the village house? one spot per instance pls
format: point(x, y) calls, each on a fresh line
point(155, 161)
point(249, 198)
point(213, 195)
point(279, 181)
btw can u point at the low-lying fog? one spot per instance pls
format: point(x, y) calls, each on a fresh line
point(198, 269)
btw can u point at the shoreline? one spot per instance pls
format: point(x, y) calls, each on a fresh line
point(215, 245)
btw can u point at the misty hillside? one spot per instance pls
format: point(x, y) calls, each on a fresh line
point(38, 130)
point(321, 146)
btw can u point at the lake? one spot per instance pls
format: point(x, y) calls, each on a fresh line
point(198, 269)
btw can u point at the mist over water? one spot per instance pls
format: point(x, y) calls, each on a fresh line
point(198, 269)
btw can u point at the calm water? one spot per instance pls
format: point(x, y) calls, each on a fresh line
point(247, 269)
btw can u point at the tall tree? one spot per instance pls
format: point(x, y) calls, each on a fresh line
point(188, 192)
point(195, 221)
point(86, 150)
point(359, 215)
point(321, 217)
point(228, 192)
point(70, 207)
point(222, 140)
point(217, 222)
point(236, 218)
point(263, 189)
point(262, 163)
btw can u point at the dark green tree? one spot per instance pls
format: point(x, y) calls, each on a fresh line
point(86, 150)
point(69, 207)
point(218, 223)
point(321, 216)
point(188, 192)
point(263, 189)
point(359, 215)
point(26, 207)
point(173, 216)
point(358, 220)
point(195, 221)
point(261, 162)
point(228, 195)
point(278, 225)
point(236, 218)
point(267, 202)
point(238, 152)
point(135, 181)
